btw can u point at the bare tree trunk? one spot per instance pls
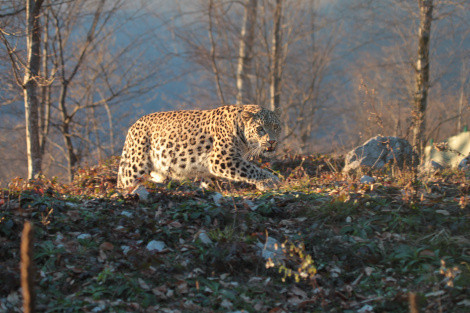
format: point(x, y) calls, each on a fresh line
point(215, 69)
point(422, 76)
point(30, 85)
point(45, 107)
point(462, 98)
point(65, 130)
point(111, 129)
point(245, 53)
point(71, 155)
point(276, 59)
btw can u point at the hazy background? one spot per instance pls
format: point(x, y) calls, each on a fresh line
point(347, 71)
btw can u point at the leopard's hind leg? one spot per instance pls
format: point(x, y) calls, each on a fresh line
point(135, 162)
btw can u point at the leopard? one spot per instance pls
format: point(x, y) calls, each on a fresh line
point(203, 145)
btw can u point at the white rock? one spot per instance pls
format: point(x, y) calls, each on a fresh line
point(99, 308)
point(72, 205)
point(204, 238)
point(156, 245)
point(271, 250)
point(84, 236)
point(142, 193)
point(457, 147)
point(226, 304)
point(366, 309)
point(250, 204)
point(367, 179)
point(125, 249)
point(217, 198)
point(59, 237)
point(431, 166)
point(126, 213)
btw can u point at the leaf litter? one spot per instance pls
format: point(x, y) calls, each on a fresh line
point(346, 246)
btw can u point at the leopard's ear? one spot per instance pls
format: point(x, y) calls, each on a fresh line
point(277, 111)
point(246, 115)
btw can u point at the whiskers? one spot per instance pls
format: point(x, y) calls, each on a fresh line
point(253, 152)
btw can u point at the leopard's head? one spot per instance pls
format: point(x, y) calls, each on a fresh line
point(262, 131)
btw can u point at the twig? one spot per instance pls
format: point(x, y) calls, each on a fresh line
point(27, 274)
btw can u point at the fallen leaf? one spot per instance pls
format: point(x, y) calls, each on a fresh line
point(368, 270)
point(106, 246)
point(434, 293)
point(426, 252)
point(143, 284)
point(160, 291)
point(182, 287)
point(366, 309)
point(298, 292)
point(465, 302)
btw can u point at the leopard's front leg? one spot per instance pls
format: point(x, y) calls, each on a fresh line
point(232, 166)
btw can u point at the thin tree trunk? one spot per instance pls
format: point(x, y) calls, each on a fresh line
point(30, 85)
point(276, 59)
point(111, 128)
point(71, 156)
point(215, 69)
point(462, 98)
point(422, 76)
point(245, 53)
point(65, 130)
point(45, 107)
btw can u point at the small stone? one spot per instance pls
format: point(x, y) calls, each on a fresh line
point(126, 213)
point(250, 204)
point(72, 205)
point(204, 238)
point(59, 237)
point(226, 304)
point(271, 250)
point(155, 245)
point(367, 180)
point(366, 309)
point(142, 193)
point(125, 249)
point(84, 236)
point(217, 198)
point(100, 308)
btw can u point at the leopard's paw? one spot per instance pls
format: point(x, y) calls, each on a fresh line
point(268, 183)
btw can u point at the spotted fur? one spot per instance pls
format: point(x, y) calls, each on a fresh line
point(203, 144)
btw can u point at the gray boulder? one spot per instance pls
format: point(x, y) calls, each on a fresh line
point(378, 152)
point(367, 180)
point(464, 164)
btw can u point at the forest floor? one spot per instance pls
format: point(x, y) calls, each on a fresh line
point(336, 245)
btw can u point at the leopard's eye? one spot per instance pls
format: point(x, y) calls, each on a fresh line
point(260, 129)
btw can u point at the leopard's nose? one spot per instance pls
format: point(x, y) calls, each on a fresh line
point(271, 142)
